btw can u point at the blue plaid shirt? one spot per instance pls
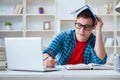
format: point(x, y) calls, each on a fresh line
point(63, 45)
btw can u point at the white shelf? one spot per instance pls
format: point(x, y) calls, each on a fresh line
point(11, 15)
point(105, 15)
point(110, 47)
point(5, 31)
point(47, 15)
point(30, 22)
point(46, 31)
point(118, 46)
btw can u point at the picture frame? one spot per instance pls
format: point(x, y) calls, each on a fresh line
point(47, 25)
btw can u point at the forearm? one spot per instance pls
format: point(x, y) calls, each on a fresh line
point(99, 45)
point(55, 45)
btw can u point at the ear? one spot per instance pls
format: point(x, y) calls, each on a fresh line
point(93, 28)
point(94, 25)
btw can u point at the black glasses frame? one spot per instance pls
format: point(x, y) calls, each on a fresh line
point(86, 27)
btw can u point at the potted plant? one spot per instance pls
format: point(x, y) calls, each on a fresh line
point(8, 25)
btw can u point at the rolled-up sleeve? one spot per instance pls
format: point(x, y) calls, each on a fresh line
point(96, 59)
point(55, 45)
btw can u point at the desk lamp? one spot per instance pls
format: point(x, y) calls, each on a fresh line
point(118, 7)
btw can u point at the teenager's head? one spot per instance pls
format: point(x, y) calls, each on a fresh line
point(84, 25)
point(86, 14)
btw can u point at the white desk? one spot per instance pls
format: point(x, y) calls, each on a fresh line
point(61, 75)
point(91, 75)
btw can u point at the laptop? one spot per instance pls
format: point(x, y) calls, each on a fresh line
point(25, 54)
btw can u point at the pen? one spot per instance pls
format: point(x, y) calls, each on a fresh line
point(45, 58)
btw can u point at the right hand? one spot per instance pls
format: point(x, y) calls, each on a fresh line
point(49, 62)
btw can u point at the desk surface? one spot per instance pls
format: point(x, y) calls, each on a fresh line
point(64, 73)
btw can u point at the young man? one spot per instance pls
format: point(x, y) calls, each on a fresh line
point(79, 45)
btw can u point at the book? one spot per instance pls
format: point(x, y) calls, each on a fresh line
point(20, 9)
point(118, 40)
point(2, 65)
point(16, 10)
point(2, 57)
point(78, 11)
point(90, 66)
point(109, 42)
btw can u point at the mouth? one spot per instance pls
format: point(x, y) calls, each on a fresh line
point(82, 34)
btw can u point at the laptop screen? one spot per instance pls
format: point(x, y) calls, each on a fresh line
point(24, 53)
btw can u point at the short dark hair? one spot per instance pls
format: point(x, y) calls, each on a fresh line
point(86, 14)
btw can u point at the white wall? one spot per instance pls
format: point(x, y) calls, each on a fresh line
point(65, 8)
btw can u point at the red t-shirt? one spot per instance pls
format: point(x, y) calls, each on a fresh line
point(77, 55)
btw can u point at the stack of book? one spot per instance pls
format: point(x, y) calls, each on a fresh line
point(118, 40)
point(2, 60)
point(18, 9)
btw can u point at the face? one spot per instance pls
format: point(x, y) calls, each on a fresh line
point(84, 27)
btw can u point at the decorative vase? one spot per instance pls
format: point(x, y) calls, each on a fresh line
point(108, 8)
point(41, 10)
point(7, 27)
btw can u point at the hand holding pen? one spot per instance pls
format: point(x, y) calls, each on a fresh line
point(49, 61)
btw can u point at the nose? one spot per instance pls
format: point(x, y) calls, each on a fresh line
point(82, 29)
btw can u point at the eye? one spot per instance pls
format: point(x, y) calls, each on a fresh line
point(80, 25)
point(87, 27)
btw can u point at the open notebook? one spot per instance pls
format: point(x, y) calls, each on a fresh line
point(90, 66)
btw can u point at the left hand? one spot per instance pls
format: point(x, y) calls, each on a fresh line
point(99, 24)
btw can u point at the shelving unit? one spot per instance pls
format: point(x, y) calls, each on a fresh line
point(111, 27)
point(29, 22)
point(35, 21)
